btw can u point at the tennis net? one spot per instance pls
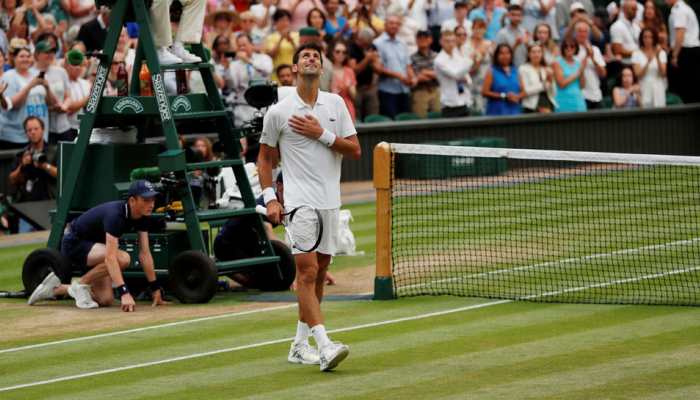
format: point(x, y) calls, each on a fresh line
point(542, 225)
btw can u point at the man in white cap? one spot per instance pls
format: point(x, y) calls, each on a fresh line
point(189, 30)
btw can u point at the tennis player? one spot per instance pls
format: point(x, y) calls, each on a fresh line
point(309, 131)
point(91, 241)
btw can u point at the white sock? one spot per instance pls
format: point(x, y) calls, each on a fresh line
point(177, 44)
point(319, 332)
point(302, 333)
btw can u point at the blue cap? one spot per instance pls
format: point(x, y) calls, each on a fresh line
point(142, 188)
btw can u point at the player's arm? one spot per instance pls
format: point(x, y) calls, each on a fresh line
point(146, 260)
point(115, 273)
point(267, 159)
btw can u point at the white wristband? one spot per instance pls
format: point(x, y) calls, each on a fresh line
point(327, 138)
point(269, 195)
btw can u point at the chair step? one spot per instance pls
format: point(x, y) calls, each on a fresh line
point(209, 215)
point(213, 164)
point(174, 67)
point(225, 267)
point(201, 114)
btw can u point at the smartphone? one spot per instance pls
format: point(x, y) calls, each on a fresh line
point(42, 74)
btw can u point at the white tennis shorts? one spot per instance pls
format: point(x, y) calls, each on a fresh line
point(329, 237)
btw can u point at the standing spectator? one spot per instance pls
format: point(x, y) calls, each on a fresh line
point(543, 35)
point(299, 10)
point(221, 23)
point(453, 74)
point(491, 14)
point(281, 44)
point(363, 58)
point(8, 8)
point(595, 67)
point(409, 28)
point(94, 32)
point(502, 87)
point(249, 65)
point(336, 26)
point(395, 72)
point(80, 11)
point(45, 56)
point(624, 33)
point(34, 172)
point(438, 12)
point(317, 20)
point(78, 92)
point(649, 64)
point(248, 23)
point(653, 19)
point(417, 11)
point(203, 187)
point(425, 96)
point(462, 43)
point(480, 50)
point(285, 75)
point(263, 12)
point(29, 95)
point(564, 11)
point(221, 57)
point(19, 28)
point(569, 74)
point(538, 82)
point(579, 12)
point(363, 17)
point(627, 93)
point(540, 12)
point(343, 82)
point(460, 18)
point(685, 51)
point(515, 35)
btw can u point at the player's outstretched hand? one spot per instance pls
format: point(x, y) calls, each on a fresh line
point(128, 303)
point(306, 125)
point(158, 299)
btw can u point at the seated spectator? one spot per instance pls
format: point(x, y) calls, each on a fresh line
point(393, 66)
point(460, 18)
point(221, 58)
point(249, 65)
point(492, 15)
point(221, 24)
point(570, 78)
point(363, 58)
point(343, 82)
point(649, 64)
point(29, 94)
point(627, 93)
point(247, 26)
point(285, 75)
point(298, 11)
point(425, 96)
point(543, 35)
point(317, 20)
point(452, 71)
point(540, 12)
point(336, 26)
point(281, 44)
point(538, 82)
point(479, 49)
point(652, 19)
point(363, 16)
point(502, 87)
point(201, 180)
point(515, 35)
point(595, 67)
point(624, 33)
point(34, 171)
point(78, 92)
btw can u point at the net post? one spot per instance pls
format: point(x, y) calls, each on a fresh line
point(383, 280)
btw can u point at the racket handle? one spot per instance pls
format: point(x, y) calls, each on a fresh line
point(261, 210)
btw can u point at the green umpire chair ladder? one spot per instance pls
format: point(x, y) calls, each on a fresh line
point(162, 112)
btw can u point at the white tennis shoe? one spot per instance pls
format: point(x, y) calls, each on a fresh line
point(45, 289)
point(165, 57)
point(303, 353)
point(81, 294)
point(332, 354)
point(179, 51)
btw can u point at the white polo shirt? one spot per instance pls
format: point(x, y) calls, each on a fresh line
point(626, 33)
point(682, 16)
point(311, 169)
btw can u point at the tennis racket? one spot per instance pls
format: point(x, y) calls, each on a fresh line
point(303, 227)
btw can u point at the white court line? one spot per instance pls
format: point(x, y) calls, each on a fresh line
point(146, 328)
point(346, 329)
point(558, 262)
point(249, 346)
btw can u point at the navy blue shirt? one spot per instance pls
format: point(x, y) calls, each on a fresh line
point(112, 217)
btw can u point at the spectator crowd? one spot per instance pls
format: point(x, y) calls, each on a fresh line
point(385, 58)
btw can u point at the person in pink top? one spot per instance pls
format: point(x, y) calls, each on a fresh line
point(299, 10)
point(343, 83)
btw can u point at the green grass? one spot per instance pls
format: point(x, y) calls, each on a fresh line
point(553, 231)
point(514, 350)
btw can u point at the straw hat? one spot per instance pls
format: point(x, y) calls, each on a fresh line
point(230, 15)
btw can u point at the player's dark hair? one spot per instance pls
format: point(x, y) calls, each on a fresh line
point(308, 46)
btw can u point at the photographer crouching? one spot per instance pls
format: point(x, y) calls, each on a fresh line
point(34, 172)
